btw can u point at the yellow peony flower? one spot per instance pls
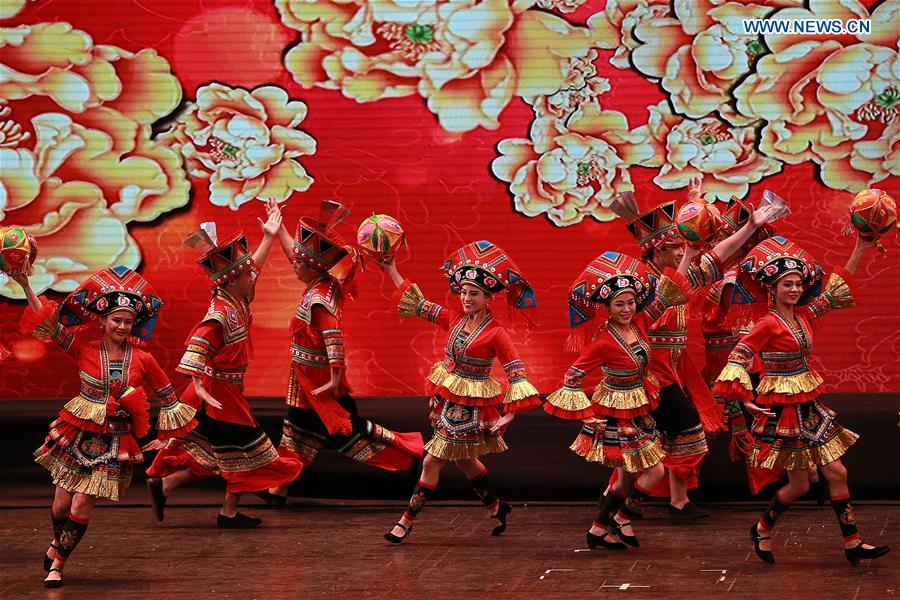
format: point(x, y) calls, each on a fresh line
point(78, 161)
point(699, 52)
point(245, 142)
point(833, 100)
point(726, 156)
point(572, 172)
point(466, 58)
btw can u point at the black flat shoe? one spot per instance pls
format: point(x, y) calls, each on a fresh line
point(276, 500)
point(48, 562)
point(858, 553)
point(503, 511)
point(689, 512)
point(157, 498)
point(238, 521)
point(764, 555)
point(394, 539)
point(628, 539)
point(54, 583)
point(595, 541)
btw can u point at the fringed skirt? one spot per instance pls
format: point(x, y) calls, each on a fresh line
point(799, 436)
point(632, 444)
point(87, 462)
point(462, 432)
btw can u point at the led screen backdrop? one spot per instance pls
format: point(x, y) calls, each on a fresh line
point(126, 123)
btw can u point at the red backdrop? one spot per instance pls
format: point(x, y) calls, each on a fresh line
point(393, 155)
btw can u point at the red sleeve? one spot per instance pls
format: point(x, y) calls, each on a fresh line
point(411, 303)
point(205, 341)
point(522, 395)
point(175, 418)
point(733, 383)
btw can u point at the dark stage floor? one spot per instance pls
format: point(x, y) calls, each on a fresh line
point(327, 551)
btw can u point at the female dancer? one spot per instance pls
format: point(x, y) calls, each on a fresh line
point(228, 442)
point(791, 429)
point(92, 447)
point(466, 422)
point(321, 412)
point(618, 430)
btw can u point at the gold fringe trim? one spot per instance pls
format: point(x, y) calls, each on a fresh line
point(43, 331)
point(409, 301)
point(793, 384)
point(471, 388)
point(819, 456)
point(631, 462)
point(840, 291)
point(734, 372)
point(635, 398)
point(671, 291)
point(437, 374)
point(175, 416)
point(569, 400)
point(95, 484)
point(519, 391)
point(83, 408)
point(463, 450)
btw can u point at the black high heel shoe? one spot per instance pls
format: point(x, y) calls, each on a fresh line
point(764, 555)
point(54, 583)
point(503, 511)
point(48, 562)
point(628, 539)
point(595, 541)
point(396, 539)
point(858, 553)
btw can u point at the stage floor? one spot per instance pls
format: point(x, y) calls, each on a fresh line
point(328, 551)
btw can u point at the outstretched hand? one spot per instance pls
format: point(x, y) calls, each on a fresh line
point(762, 215)
point(695, 188)
point(273, 219)
point(153, 446)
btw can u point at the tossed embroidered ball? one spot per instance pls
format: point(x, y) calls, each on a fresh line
point(18, 249)
point(873, 213)
point(698, 222)
point(380, 236)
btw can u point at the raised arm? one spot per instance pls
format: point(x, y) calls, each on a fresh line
point(270, 229)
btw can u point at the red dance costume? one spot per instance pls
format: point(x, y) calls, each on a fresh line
point(464, 396)
point(628, 390)
point(227, 442)
point(316, 422)
point(93, 445)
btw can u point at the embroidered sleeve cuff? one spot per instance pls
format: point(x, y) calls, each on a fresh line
point(334, 346)
point(193, 362)
point(707, 271)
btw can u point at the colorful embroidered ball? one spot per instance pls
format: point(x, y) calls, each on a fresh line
point(873, 213)
point(698, 222)
point(380, 236)
point(18, 249)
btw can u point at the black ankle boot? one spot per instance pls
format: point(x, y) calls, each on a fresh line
point(858, 553)
point(238, 521)
point(503, 510)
